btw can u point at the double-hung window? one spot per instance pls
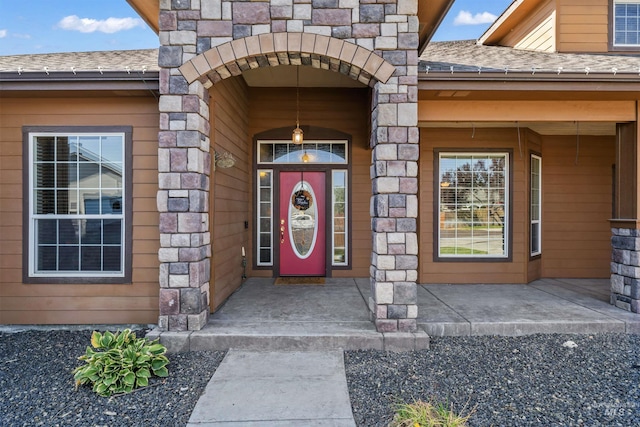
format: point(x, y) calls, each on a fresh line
point(78, 204)
point(626, 23)
point(473, 213)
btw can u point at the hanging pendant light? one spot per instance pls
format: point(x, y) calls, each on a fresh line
point(297, 137)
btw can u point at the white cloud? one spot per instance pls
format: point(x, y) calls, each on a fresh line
point(466, 18)
point(109, 25)
point(3, 34)
point(22, 36)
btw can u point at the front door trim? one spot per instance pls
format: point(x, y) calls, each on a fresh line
point(311, 133)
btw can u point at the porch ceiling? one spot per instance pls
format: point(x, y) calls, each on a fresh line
point(285, 76)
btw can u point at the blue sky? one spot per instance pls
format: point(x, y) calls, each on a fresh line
point(44, 26)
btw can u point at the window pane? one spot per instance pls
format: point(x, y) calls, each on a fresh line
point(45, 175)
point(47, 231)
point(45, 149)
point(535, 241)
point(45, 202)
point(265, 256)
point(111, 258)
point(89, 175)
point(112, 232)
point(472, 199)
point(89, 148)
point(92, 232)
point(64, 148)
point(91, 258)
point(68, 258)
point(266, 153)
point(111, 149)
point(47, 258)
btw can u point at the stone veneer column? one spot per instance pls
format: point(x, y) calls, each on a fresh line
point(184, 168)
point(394, 174)
point(625, 269)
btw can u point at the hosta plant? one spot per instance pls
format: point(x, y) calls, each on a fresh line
point(120, 362)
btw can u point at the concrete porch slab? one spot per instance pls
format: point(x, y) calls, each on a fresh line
point(519, 310)
point(262, 316)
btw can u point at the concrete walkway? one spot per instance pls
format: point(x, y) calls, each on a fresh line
point(276, 389)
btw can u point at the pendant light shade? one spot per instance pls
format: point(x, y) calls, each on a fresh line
point(297, 136)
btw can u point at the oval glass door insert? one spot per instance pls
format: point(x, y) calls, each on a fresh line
point(303, 224)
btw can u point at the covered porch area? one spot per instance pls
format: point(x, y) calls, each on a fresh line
point(263, 315)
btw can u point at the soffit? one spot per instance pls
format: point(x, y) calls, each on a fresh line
point(286, 76)
point(149, 10)
point(430, 15)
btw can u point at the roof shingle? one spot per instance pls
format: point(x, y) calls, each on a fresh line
point(466, 55)
point(105, 61)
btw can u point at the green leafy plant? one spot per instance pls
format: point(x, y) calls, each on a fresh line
point(120, 362)
point(428, 414)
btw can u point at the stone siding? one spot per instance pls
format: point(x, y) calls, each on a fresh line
point(625, 269)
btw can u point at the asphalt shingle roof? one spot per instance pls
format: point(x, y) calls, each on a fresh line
point(121, 60)
point(466, 56)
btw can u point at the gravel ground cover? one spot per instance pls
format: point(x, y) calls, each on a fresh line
point(510, 381)
point(37, 386)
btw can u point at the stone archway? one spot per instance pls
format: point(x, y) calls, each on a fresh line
point(270, 50)
point(203, 42)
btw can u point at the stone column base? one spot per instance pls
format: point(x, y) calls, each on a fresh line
point(625, 269)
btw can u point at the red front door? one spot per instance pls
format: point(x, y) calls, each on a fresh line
point(302, 224)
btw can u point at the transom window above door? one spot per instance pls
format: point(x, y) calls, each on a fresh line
point(322, 152)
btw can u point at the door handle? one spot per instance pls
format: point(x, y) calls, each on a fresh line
point(281, 231)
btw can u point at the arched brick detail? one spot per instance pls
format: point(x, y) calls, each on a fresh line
point(272, 49)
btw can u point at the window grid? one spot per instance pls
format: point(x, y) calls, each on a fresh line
point(536, 205)
point(340, 216)
point(473, 192)
point(77, 214)
point(626, 23)
point(265, 218)
point(318, 152)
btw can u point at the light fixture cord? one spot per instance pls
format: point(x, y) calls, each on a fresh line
point(297, 96)
point(577, 141)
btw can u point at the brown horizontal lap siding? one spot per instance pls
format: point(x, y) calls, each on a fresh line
point(92, 303)
point(576, 206)
point(229, 198)
point(345, 110)
point(583, 25)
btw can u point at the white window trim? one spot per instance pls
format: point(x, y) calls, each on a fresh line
point(507, 203)
point(33, 217)
point(259, 230)
point(539, 220)
point(346, 218)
